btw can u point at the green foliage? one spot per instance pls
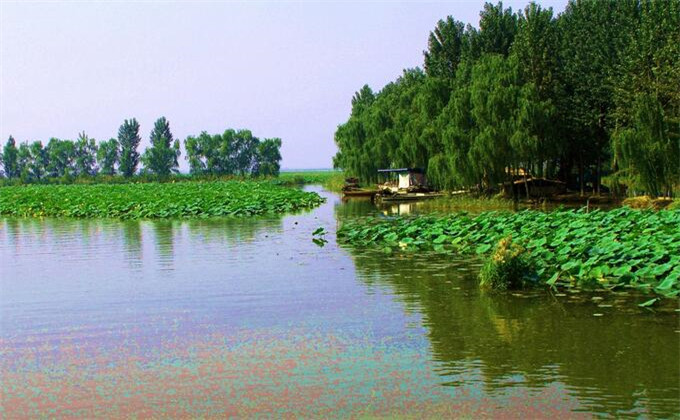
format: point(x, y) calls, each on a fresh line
point(234, 152)
point(231, 154)
point(128, 139)
point(528, 90)
point(596, 249)
point(107, 156)
point(10, 159)
point(85, 154)
point(37, 160)
point(331, 180)
point(647, 148)
point(268, 158)
point(60, 155)
point(507, 268)
point(153, 200)
point(161, 157)
point(498, 27)
point(446, 46)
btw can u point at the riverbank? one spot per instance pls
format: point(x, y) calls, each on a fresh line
point(331, 180)
point(597, 249)
point(154, 200)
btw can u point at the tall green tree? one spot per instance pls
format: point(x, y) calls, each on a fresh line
point(10, 159)
point(39, 160)
point(493, 96)
point(594, 36)
point(61, 157)
point(446, 46)
point(128, 139)
point(497, 29)
point(161, 157)
point(85, 153)
point(268, 157)
point(244, 151)
point(107, 156)
point(646, 150)
point(24, 162)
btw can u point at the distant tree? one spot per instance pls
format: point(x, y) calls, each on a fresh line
point(39, 160)
point(24, 162)
point(85, 153)
point(107, 156)
point(10, 156)
point(195, 153)
point(161, 157)
point(128, 139)
point(268, 157)
point(244, 151)
point(61, 157)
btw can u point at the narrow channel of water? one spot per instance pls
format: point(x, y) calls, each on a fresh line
point(249, 317)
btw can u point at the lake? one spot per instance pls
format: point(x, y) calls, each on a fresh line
point(249, 317)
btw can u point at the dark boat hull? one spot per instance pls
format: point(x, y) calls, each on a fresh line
point(359, 193)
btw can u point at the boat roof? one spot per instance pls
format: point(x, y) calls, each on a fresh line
point(414, 170)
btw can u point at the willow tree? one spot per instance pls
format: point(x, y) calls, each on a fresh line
point(647, 139)
point(535, 49)
point(594, 35)
point(351, 137)
point(493, 96)
point(647, 149)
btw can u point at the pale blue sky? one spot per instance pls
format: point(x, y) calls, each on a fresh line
point(285, 69)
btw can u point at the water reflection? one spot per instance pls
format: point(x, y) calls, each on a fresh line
point(624, 362)
point(174, 300)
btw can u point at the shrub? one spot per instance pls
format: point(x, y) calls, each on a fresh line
point(507, 268)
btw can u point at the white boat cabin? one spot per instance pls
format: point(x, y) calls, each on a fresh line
point(407, 177)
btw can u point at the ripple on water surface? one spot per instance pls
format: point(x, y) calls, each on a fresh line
point(249, 317)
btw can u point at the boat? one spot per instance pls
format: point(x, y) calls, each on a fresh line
point(411, 185)
point(359, 193)
point(391, 198)
point(352, 189)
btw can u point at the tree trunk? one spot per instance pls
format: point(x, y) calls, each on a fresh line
point(580, 171)
point(598, 175)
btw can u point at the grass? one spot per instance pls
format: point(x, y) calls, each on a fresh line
point(618, 248)
point(330, 180)
point(154, 200)
point(467, 203)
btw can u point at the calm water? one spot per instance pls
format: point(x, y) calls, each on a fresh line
point(248, 317)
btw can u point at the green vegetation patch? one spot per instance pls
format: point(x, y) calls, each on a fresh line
point(154, 200)
point(508, 268)
point(622, 247)
point(331, 180)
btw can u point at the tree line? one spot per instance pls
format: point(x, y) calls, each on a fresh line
point(232, 153)
point(591, 91)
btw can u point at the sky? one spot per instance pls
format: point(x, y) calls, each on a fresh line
point(280, 69)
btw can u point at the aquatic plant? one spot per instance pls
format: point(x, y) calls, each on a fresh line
point(154, 200)
point(621, 247)
point(507, 268)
